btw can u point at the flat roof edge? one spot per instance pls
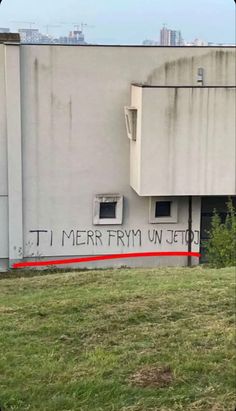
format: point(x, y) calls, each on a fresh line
point(127, 46)
point(163, 86)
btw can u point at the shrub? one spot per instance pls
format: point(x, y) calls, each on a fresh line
point(221, 245)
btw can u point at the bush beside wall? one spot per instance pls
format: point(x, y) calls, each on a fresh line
point(221, 245)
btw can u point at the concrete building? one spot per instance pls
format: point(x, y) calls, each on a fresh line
point(164, 37)
point(29, 35)
point(170, 37)
point(75, 37)
point(112, 149)
point(176, 38)
point(34, 36)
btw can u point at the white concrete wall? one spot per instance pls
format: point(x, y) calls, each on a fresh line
point(187, 141)
point(14, 151)
point(11, 225)
point(74, 145)
point(135, 146)
point(4, 227)
point(3, 161)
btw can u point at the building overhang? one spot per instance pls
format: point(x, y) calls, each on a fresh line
point(184, 140)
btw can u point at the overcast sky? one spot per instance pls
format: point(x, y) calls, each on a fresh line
point(126, 21)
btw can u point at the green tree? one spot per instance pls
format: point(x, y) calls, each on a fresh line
point(221, 245)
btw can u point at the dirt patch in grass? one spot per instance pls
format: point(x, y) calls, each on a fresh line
point(152, 377)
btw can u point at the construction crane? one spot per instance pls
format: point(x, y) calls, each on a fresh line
point(82, 25)
point(28, 23)
point(77, 26)
point(87, 26)
point(47, 26)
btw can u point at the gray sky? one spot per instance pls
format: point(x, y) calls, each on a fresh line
point(127, 21)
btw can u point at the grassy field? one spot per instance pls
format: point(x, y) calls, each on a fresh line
point(118, 340)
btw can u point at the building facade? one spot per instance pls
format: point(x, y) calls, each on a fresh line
point(112, 150)
point(29, 35)
point(170, 37)
point(165, 37)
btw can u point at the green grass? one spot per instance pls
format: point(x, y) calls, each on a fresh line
point(74, 341)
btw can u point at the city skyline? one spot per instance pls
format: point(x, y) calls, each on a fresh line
point(167, 37)
point(124, 22)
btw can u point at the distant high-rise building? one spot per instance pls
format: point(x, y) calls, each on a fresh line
point(34, 36)
point(29, 35)
point(76, 37)
point(170, 37)
point(175, 38)
point(164, 37)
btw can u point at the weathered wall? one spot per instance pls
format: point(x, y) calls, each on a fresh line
point(3, 162)
point(74, 145)
point(179, 69)
point(11, 226)
point(14, 151)
point(187, 141)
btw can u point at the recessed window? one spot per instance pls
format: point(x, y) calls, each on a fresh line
point(163, 209)
point(108, 209)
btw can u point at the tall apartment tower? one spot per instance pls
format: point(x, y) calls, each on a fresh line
point(175, 38)
point(165, 37)
point(170, 37)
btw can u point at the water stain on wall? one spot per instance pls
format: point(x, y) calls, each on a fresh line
point(183, 71)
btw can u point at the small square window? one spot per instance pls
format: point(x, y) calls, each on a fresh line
point(163, 209)
point(108, 210)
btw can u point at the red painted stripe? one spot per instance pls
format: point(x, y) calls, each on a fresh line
point(105, 257)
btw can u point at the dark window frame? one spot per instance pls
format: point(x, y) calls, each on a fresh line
point(105, 212)
point(164, 209)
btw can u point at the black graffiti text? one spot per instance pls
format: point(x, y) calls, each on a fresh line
point(126, 238)
point(81, 237)
point(182, 237)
